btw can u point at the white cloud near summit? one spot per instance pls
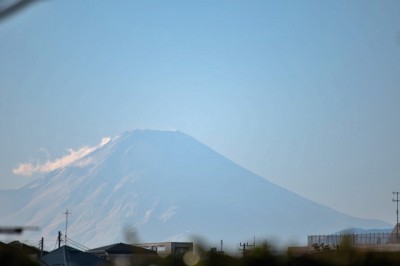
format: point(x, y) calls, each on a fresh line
point(28, 169)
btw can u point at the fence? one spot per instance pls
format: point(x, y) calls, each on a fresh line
point(354, 239)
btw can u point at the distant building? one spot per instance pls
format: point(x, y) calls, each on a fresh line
point(124, 254)
point(165, 249)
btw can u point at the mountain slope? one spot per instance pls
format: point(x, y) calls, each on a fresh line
point(166, 185)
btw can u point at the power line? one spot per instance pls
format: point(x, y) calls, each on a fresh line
point(78, 245)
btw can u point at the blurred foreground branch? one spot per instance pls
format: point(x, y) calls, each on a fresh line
point(17, 229)
point(7, 10)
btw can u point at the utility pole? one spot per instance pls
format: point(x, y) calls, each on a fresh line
point(59, 239)
point(66, 224)
point(397, 214)
point(41, 247)
point(244, 245)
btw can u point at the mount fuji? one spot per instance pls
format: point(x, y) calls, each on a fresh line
point(166, 186)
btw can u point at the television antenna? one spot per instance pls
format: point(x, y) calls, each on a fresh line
point(67, 213)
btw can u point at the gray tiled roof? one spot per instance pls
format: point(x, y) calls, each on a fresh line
point(72, 256)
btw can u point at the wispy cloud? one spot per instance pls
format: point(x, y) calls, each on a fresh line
point(45, 151)
point(148, 213)
point(28, 169)
point(168, 214)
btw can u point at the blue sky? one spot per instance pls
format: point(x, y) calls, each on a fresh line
point(304, 93)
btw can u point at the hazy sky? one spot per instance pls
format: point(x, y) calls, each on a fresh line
point(304, 93)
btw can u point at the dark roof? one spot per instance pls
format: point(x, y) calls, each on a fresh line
point(11, 255)
point(73, 257)
point(121, 248)
point(26, 248)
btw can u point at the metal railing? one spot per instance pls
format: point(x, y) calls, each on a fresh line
point(354, 239)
